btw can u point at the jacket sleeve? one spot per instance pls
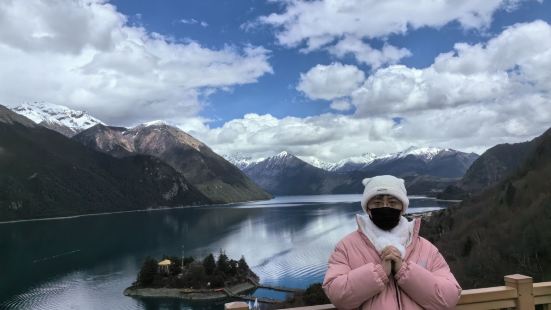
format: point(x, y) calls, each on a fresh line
point(431, 289)
point(349, 288)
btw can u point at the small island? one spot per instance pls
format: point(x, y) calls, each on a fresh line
point(186, 278)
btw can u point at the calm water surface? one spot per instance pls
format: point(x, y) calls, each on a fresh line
point(87, 262)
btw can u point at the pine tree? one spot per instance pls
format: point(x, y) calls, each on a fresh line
point(242, 265)
point(147, 273)
point(209, 264)
point(232, 270)
point(223, 264)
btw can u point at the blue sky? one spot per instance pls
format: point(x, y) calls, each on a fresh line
point(275, 93)
point(323, 79)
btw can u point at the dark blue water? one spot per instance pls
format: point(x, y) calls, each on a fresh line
point(87, 262)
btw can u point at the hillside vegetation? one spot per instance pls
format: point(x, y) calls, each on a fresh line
point(505, 229)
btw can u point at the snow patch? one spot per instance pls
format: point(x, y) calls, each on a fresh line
point(155, 123)
point(241, 161)
point(59, 115)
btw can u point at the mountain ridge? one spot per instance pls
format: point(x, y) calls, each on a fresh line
point(353, 163)
point(427, 175)
point(210, 173)
point(490, 168)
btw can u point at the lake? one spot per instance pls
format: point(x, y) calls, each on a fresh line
point(86, 262)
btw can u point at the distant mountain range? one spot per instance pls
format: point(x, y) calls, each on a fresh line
point(445, 163)
point(428, 170)
point(284, 170)
point(503, 228)
point(285, 174)
point(421, 160)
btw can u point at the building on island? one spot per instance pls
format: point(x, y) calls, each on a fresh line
point(164, 265)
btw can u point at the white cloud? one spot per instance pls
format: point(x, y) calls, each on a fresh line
point(84, 55)
point(398, 89)
point(512, 65)
point(365, 54)
point(325, 136)
point(478, 127)
point(470, 99)
point(341, 105)
point(332, 137)
point(193, 21)
point(331, 81)
point(312, 22)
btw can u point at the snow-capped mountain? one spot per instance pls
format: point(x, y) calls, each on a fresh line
point(57, 117)
point(286, 174)
point(367, 160)
point(328, 166)
point(353, 163)
point(280, 160)
point(363, 161)
point(429, 161)
point(54, 176)
point(424, 153)
point(242, 161)
point(347, 164)
point(155, 123)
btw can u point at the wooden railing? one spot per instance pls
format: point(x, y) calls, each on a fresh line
point(519, 293)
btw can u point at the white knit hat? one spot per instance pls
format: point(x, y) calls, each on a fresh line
point(384, 185)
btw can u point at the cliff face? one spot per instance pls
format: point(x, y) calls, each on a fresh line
point(504, 229)
point(45, 174)
point(215, 177)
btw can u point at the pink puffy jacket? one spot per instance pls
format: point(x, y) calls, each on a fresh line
point(355, 278)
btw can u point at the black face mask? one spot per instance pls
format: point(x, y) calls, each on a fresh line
point(385, 218)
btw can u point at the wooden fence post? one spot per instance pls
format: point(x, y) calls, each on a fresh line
point(524, 286)
point(236, 305)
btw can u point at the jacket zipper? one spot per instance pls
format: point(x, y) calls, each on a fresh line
point(397, 294)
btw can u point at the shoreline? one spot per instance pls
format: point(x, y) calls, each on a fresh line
point(191, 294)
point(57, 218)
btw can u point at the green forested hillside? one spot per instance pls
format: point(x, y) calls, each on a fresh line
point(493, 166)
point(44, 174)
point(506, 229)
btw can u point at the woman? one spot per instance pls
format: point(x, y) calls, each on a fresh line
point(385, 264)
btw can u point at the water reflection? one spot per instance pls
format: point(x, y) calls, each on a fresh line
point(85, 263)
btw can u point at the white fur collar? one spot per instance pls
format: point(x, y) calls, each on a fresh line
point(399, 236)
